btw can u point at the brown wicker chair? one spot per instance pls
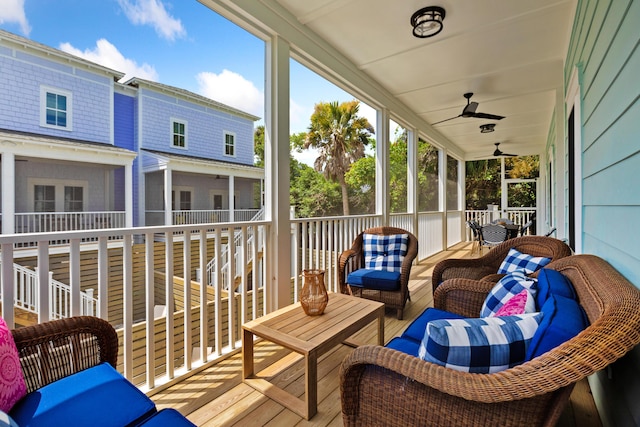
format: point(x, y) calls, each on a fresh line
point(53, 350)
point(380, 386)
point(353, 259)
point(485, 267)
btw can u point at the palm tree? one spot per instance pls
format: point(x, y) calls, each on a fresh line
point(340, 136)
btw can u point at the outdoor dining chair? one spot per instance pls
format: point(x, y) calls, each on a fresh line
point(492, 235)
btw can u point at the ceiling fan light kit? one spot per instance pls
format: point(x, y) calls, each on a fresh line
point(487, 127)
point(427, 22)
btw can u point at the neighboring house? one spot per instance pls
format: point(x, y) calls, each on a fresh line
point(84, 151)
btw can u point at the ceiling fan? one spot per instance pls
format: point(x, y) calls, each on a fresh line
point(470, 111)
point(498, 153)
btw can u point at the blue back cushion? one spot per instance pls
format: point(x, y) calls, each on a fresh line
point(384, 252)
point(553, 282)
point(562, 319)
point(419, 325)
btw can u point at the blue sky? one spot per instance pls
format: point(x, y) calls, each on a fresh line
point(176, 42)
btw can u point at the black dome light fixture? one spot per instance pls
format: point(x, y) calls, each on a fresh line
point(427, 22)
point(488, 127)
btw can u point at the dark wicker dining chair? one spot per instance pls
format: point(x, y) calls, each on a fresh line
point(492, 235)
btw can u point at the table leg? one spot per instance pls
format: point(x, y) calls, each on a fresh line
point(247, 354)
point(311, 384)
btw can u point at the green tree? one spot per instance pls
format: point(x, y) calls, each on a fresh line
point(340, 136)
point(258, 146)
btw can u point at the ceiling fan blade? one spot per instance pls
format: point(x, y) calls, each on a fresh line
point(469, 110)
point(509, 155)
point(445, 120)
point(487, 116)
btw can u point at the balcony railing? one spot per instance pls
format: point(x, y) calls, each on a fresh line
point(45, 222)
point(180, 217)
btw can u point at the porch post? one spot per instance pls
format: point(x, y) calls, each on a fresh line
point(412, 178)
point(8, 165)
point(128, 195)
point(383, 204)
point(168, 185)
point(232, 204)
point(442, 191)
point(276, 142)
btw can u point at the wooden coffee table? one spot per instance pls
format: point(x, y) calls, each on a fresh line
point(310, 336)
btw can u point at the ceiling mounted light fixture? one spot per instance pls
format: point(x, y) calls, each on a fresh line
point(486, 128)
point(427, 22)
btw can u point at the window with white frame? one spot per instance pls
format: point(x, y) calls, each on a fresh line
point(179, 133)
point(55, 108)
point(73, 199)
point(183, 201)
point(44, 198)
point(229, 144)
point(57, 195)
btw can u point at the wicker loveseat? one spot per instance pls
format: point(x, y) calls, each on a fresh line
point(69, 370)
point(486, 266)
point(381, 386)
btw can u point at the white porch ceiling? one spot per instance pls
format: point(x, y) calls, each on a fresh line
point(508, 53)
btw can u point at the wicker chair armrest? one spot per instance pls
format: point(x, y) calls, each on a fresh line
point(467, 268)
point(462, 296)
point(346, 264)
point(53, 350)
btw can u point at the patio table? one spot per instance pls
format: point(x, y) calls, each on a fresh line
point(310, 336)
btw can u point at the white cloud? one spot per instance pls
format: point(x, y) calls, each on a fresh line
point(232, 89)
point(153, 12)
point(109, 56)
point(13, 11)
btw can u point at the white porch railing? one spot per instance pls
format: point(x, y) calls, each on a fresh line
point(44, 222)
point(132, 277)
point(26, 290)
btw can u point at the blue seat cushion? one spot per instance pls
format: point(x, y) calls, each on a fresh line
point(416, 329)
point(405, 345)
point(553, 282)
point(167, 417)
point(562, 319)
point(380, 280)
point(96, 397)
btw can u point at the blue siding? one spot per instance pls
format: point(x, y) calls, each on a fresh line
point(123, 126)
point(605, 46)
point(20, 85)
point(205, 128)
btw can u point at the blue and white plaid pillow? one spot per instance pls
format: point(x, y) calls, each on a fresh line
point(384, 252)
point(480, 346)
point(506, 288)
point(516, 260)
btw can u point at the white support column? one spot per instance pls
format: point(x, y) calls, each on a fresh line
point(168, 186)
point(8, 166)
point(383, 204)
point(503, 190)
point(412, 177)
point(442, 179)
point(128, 195)
point(232, 202)
point(276, 141)
point(462, 199)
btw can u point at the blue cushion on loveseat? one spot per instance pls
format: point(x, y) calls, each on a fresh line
point(416, 329)
point(404, 344)
point(553, 282)
point(381, 280)
point(563, 318)
point(96, 397)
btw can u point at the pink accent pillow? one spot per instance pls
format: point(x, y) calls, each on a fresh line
point(520, 303)
point(12, 385)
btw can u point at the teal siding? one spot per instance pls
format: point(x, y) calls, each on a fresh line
point(605, 46)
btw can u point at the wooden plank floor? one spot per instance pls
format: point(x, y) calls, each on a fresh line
point(217, 396)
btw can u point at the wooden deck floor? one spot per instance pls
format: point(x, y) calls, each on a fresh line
point(217, 396)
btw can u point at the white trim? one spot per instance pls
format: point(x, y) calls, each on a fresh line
point(59, 185)
point(573, 101)
point(43, 107)
point(224, 143)
point(173, 121)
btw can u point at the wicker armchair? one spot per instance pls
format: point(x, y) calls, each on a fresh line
point(380, 386)
point(53, 350)
point(353, 259)
point(486, 266)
